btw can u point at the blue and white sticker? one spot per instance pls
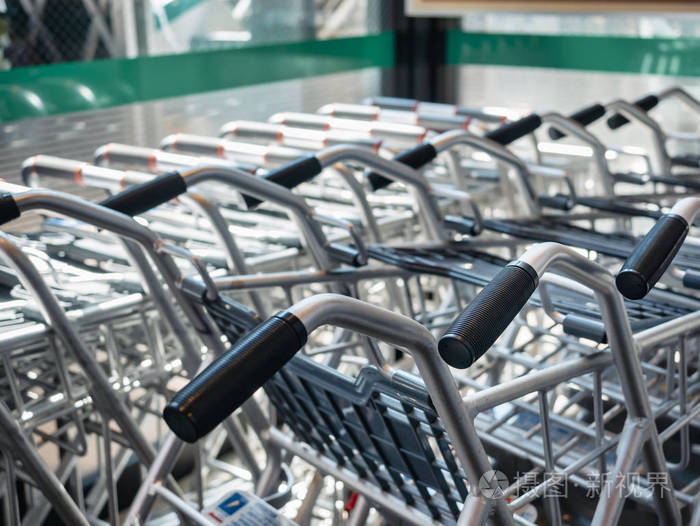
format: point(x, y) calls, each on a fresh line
point(241, 508)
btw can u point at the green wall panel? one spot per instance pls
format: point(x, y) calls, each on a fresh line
point(658, 56)
point(59, 88)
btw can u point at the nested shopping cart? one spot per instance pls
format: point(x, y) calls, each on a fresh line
point(383, 435)
point(117, 366)
point(560, 402)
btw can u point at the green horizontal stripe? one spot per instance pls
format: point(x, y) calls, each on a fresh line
point(657, 56)
point(76, 86)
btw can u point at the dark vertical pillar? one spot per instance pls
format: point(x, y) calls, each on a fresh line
point(420, 48)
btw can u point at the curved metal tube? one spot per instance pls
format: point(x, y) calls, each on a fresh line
point(266, 190)
point(633, 112)
point(448, 140)
point(394, 170)
point(408, 334)
point(125, 226)
point(680, 93)
point(160, 160)
point(688, 208)
point(579, 131)
point(84, 174)
point(545, 255)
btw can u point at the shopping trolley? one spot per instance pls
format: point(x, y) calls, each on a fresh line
point(40, 369)
point(130, 368)
point(561, 228)
point(534, 394)
point(388, 255)
point(241, 280)
point(665, 167)
point(379, 434)
point(445, 261)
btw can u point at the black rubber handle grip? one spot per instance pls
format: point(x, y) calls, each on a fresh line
point(479, 325)
point(585, 327)
point(345, 254)
point(688, 160)
point(462, 224)
point(8, 208)
point(651, 257)
point(584, 116)
point(691, 279)
point(631, 177)
point(233, 377)
point(290, 176)
point(142, 197)
point(646, 103)
point(512, 131)
point(557, 202)
point(416, 157)
point(594, 329)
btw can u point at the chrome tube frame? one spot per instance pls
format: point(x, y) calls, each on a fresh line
point(543, 256)
point(266, 190)
point(429, 209)
point(376, 322)
point(179, 161)
point(575, 129)
point(110, 404)
point(81, 173)
point(448, 140)
point(683, 95)
point(635, 113)
point(125, 226)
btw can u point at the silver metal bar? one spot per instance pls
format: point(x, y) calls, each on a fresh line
point(182, 506)
point(448, 140)
point(358, 516)
point(543, 379)
point(234, 253)
point(387, 326)
point(637, 114)
point(112, 504)
point(42, 476)
point(612, 499)
point(395, 170)
point(553, 503)
point(683, 95)
point(160, 467)
point(575, 129)
point(476, 510)
point(542, 256)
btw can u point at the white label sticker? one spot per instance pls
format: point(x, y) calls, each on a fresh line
point(241, 508)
